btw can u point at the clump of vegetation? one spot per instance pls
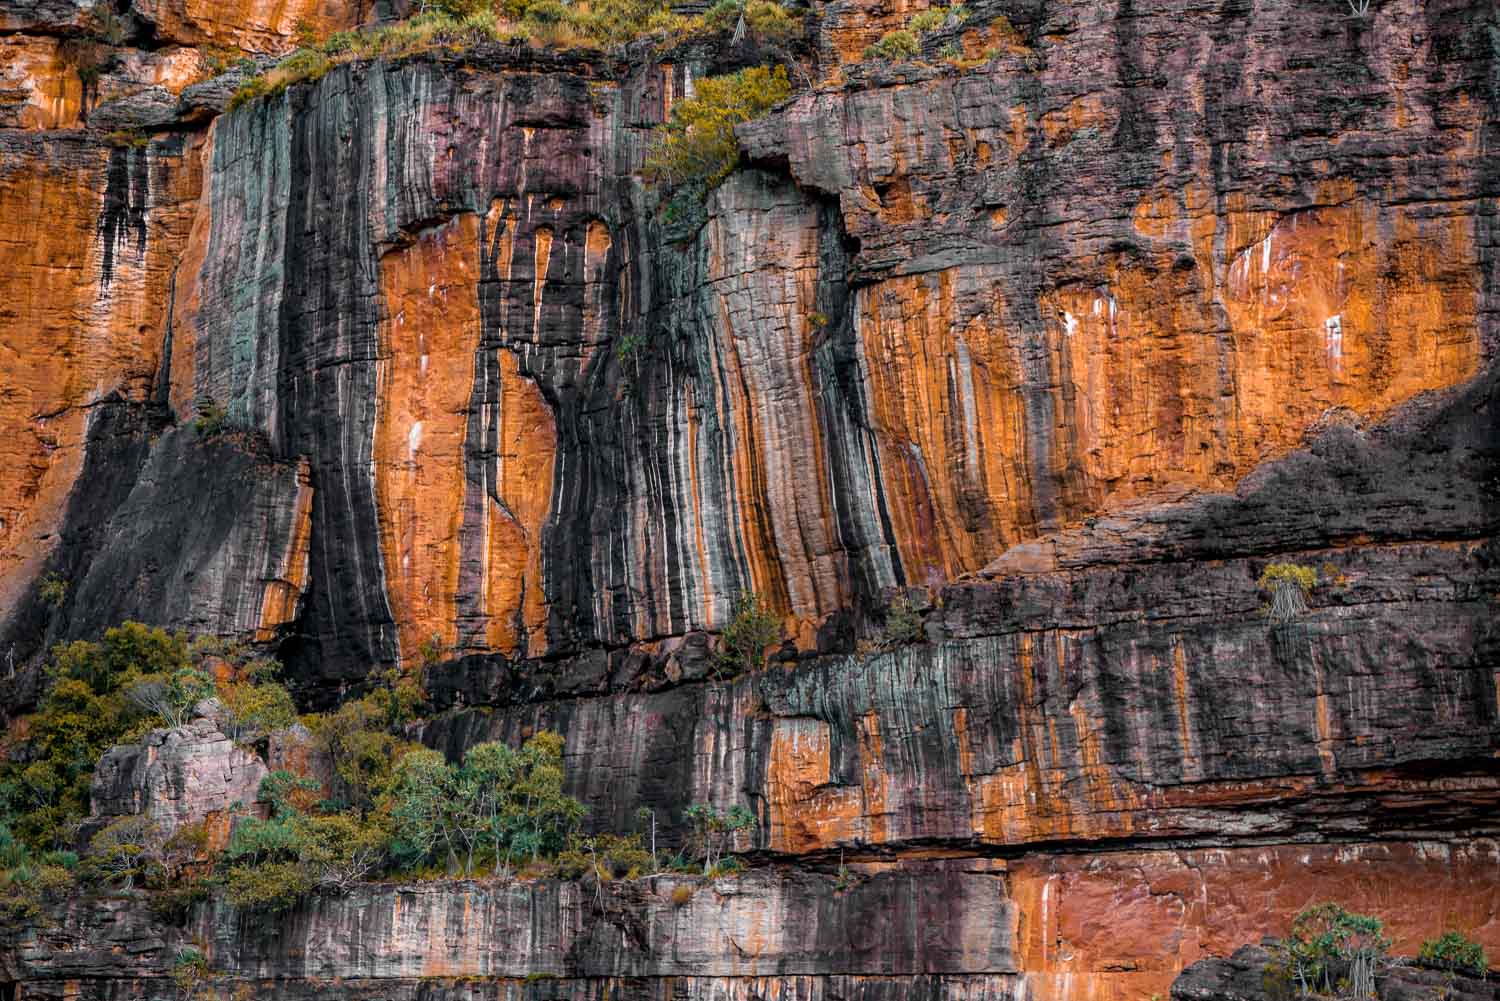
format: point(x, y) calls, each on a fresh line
point(138, 848)
point(903, 624)
point(271, 864)
point(172, 697)
point(713, 832)
point(254, 705)
point(105, 693)
point(697, 147)
point(211, 420)
point(459, 24)
point(87, 710)
point(29, 885)
point(1289, 585)
point(497, 806)
point(53, 590)
point(765, 21)
point(388, 806)
point(895, 46)
point(934, 18)
point(604, 857)
point(1328, 949)
point(745, 639)
point(190, 970)
point(128, 139)
point(1456, 953)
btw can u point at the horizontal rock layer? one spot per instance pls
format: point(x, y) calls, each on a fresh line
point(1111, 926)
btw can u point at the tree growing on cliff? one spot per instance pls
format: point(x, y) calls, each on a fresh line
point(85, 711)
point(273, 863)
point(1289, 585)
point(745, 639)
point(498, 805)
point(713, 832)
point(1328, 946)
point(172, 697)
point(698, 146)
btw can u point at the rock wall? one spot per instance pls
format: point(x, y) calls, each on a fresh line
point(1063, 345)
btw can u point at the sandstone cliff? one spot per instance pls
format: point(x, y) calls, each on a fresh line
point(1063, 346)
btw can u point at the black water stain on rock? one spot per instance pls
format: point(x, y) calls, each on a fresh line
point(126, 192)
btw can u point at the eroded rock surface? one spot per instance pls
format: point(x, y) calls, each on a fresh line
point(177, 778)
point(1063, 347)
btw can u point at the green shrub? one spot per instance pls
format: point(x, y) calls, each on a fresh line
point(497, 806)
point(85, 710)
point(53, 590)
point(930, 19)
point(895, 46)
point(171, 697)
point(698, 144)
point(212, 418)
point(272, 864)
point(604, 857)
point(253, 709)
point(1455, 953)
point(745, 639)
point(903, 624)
point(770, 22)
point(1327, 945)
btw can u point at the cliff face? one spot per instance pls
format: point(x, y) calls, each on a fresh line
point(1063, 347)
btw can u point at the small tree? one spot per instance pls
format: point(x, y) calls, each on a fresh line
point(172, 696)
point(698, 145)
point(745, 639)
point(1289, 585)
point(254, 709)
point(903, 624)
point(1328, 944)
point(713, 831)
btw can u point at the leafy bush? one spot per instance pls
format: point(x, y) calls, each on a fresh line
point(928, 20)
point(53, 590)
point(903, 624)
point(253, 709)
point(364, 743)
point(1326, 945)
point(895, 46)
point(189, 970)
point(212, 419)
point(27, 890)
point(698, 145)
point(457, 24)
point(271, 864)
point(1456, 953)
point(171, 697)
point(604, 857)
point(85, 711)
point(498, 805)
point(745, 639)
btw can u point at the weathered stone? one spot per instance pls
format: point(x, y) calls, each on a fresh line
point(1066, 345)
point(180, 777)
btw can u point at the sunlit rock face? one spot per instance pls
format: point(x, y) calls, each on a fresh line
point(1064, 345)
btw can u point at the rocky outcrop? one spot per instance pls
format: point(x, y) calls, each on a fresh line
point(177, 778)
